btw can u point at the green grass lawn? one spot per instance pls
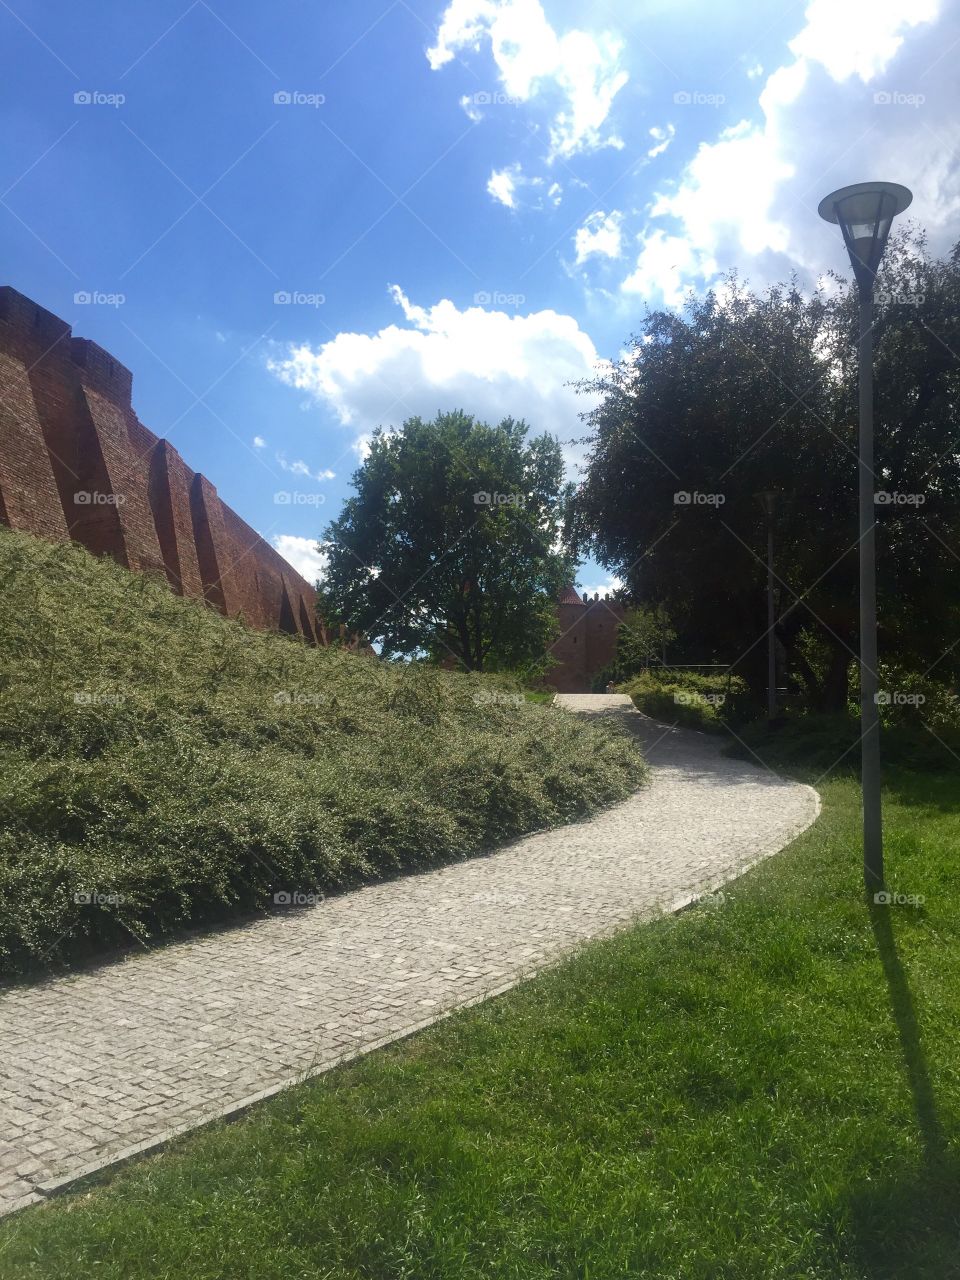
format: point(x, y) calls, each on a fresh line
point(765, 1086)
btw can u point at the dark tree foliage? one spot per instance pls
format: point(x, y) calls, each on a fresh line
point(448, 547)
point(746, 392)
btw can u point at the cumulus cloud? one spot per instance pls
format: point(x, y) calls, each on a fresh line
point(300, 468)
point(868, 92)
point(607, 587)
point(492, 363)
point(667, 266)
point(471, 107)
point(259, 442)
point(661, 140)
point(502, 185)
point(533, 60)
point(507, 186)
point(858, 37)
point(303, 554)
point(599, 237)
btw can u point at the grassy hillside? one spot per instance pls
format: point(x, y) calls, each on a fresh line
point(178, 768)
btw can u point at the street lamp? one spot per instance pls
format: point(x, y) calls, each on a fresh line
point(865, 212)
point(768, 500)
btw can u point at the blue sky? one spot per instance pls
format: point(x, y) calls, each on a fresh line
point(323, 218)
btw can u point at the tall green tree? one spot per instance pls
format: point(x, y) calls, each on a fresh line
point(644, 636)
point(449, 546)
point(744, 392)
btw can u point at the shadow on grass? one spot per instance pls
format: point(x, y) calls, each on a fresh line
point(937, 792)
point(909, 1225)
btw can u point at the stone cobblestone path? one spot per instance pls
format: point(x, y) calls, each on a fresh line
point(100, 1064)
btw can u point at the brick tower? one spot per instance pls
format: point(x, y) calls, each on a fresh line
point(587, 642)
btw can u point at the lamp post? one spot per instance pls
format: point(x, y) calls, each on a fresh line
point(865, 212)
point(768, 500)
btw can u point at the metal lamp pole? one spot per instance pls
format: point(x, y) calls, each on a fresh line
point(865, 212)
point(869, 711)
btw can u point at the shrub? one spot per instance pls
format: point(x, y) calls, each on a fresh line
point(691, 699)
point(830, 744)
point(178, 768)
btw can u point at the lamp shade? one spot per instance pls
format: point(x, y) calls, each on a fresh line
point(865, 213)
point(768, 500)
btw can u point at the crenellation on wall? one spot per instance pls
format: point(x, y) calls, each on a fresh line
point(101, 372)
point(28, 329)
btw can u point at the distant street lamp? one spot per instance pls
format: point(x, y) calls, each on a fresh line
point(865, 213)
point(768, 500)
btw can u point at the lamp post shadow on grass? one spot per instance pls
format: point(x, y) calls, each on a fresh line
point(909, 1223)
point(908, 1028)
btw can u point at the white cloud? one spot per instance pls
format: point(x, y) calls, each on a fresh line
point(749, 199)
point(602, 589)
point(600, 236)
point(300, 468)
point(361, 446)
point(470, 106)
point(727, 193)
point(661, 140)
point(502, 185)
point(259, 442)
point(858, 37)
point(490, 363)
point(302, 553)
point(533, 60)
point(667, 266)
point(506, 186)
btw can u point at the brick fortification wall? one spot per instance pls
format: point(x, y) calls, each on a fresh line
point(76, 462)
point(587, 641)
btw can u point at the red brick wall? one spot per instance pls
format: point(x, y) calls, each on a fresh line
point(67, 428)
point(28, 491)
point(169, 493)
point(570, 651)
point(603, 623)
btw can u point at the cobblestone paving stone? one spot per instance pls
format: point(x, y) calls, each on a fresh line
point(99, 1064)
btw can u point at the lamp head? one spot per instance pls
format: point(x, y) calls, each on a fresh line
point(768, 500)
point(865, 212)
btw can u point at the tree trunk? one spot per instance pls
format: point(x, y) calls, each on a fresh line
point(836, 683)
point(829, 693)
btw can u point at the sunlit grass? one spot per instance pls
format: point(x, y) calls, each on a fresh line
point(766, 1086)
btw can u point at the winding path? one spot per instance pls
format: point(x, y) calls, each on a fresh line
point(111, 1061)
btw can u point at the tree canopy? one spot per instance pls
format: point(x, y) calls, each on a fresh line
point(745, 392)
point(449, 548)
